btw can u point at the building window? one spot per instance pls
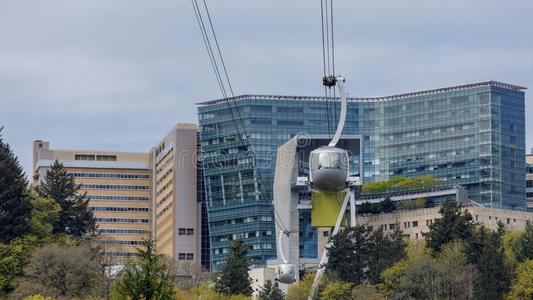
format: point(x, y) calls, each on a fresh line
point(392, 226)
point(84, 157)
point(181, 231)
point(415, 224)
point(325, 233)
point(106, 157)
point(190, 256)
point(508, 220)
point(181, 256)
point(190, 231)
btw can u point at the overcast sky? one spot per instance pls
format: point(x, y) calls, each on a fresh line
point(117, 75)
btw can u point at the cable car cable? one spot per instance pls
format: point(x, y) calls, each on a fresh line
point(218, 75)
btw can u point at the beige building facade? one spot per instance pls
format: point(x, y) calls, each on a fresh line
point(137, 195)
point(414, 223)
point(118, 186)
point(177, 211)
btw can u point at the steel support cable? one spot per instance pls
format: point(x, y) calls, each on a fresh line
point(214, 60)
point(219, 78)
point(209, 53)
point(218, 48)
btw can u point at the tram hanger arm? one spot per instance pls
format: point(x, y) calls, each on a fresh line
point(339, 81)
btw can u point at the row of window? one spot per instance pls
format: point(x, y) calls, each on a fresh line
point(185, 256)
point(95, 157)
point(120, 242)
point(245, 235)
point(121, 209)
point(243, 220)
point(117, 198)
point(113, 187)
point(256, 246)
point(122, 231)
point(164, 210)
point(119, 254)
point(121, 220)
point(167, 173)
point(109, 175)
point(163, 188)
point(185, 231)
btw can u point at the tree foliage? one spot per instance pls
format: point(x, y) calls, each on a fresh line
point(337, 290)
point(301, 289)
point(13, 258)
point(494, 275)
point(349, 254)
point(62, 272)
point(524, 247)
point(44, 214)
point(15, 207)
point(400, 182)
point(147, 277)
point(522, 287)
point(270, 291)
point(75, 219)
point(234, 278)
point(358, 254)
point(385, 251)
point(453, 225)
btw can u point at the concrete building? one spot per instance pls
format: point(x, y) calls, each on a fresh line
point(118, 185)
point(136, 195)
point(177, 209)
point(471, 135)
point(529, 180)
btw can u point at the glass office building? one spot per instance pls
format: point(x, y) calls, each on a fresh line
point(471, 135)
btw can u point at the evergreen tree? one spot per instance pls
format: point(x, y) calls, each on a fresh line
point(270, 291)
point(385, 251)
point(234, 278)
point(365, 208)
point(454, 225)
point(74, 218)
point(15, 206)
point(350, 254)
point(476, 244)
point(493, 279)
point(524, 249)
point(387, 205)
point(148, 277)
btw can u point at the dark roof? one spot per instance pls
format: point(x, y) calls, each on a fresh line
point(383, 98)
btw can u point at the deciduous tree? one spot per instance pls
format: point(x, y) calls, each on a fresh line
point(62, 272)
point(522, 287)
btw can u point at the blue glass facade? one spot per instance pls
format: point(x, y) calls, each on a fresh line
point(471, 135)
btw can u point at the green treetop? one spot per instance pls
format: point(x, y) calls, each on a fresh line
point(15, 206)
point(234, 278)
point(75, 219)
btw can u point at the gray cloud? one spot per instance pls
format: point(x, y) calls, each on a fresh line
point(119, 74)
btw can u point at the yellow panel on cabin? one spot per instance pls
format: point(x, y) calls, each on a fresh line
point(326, 206)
